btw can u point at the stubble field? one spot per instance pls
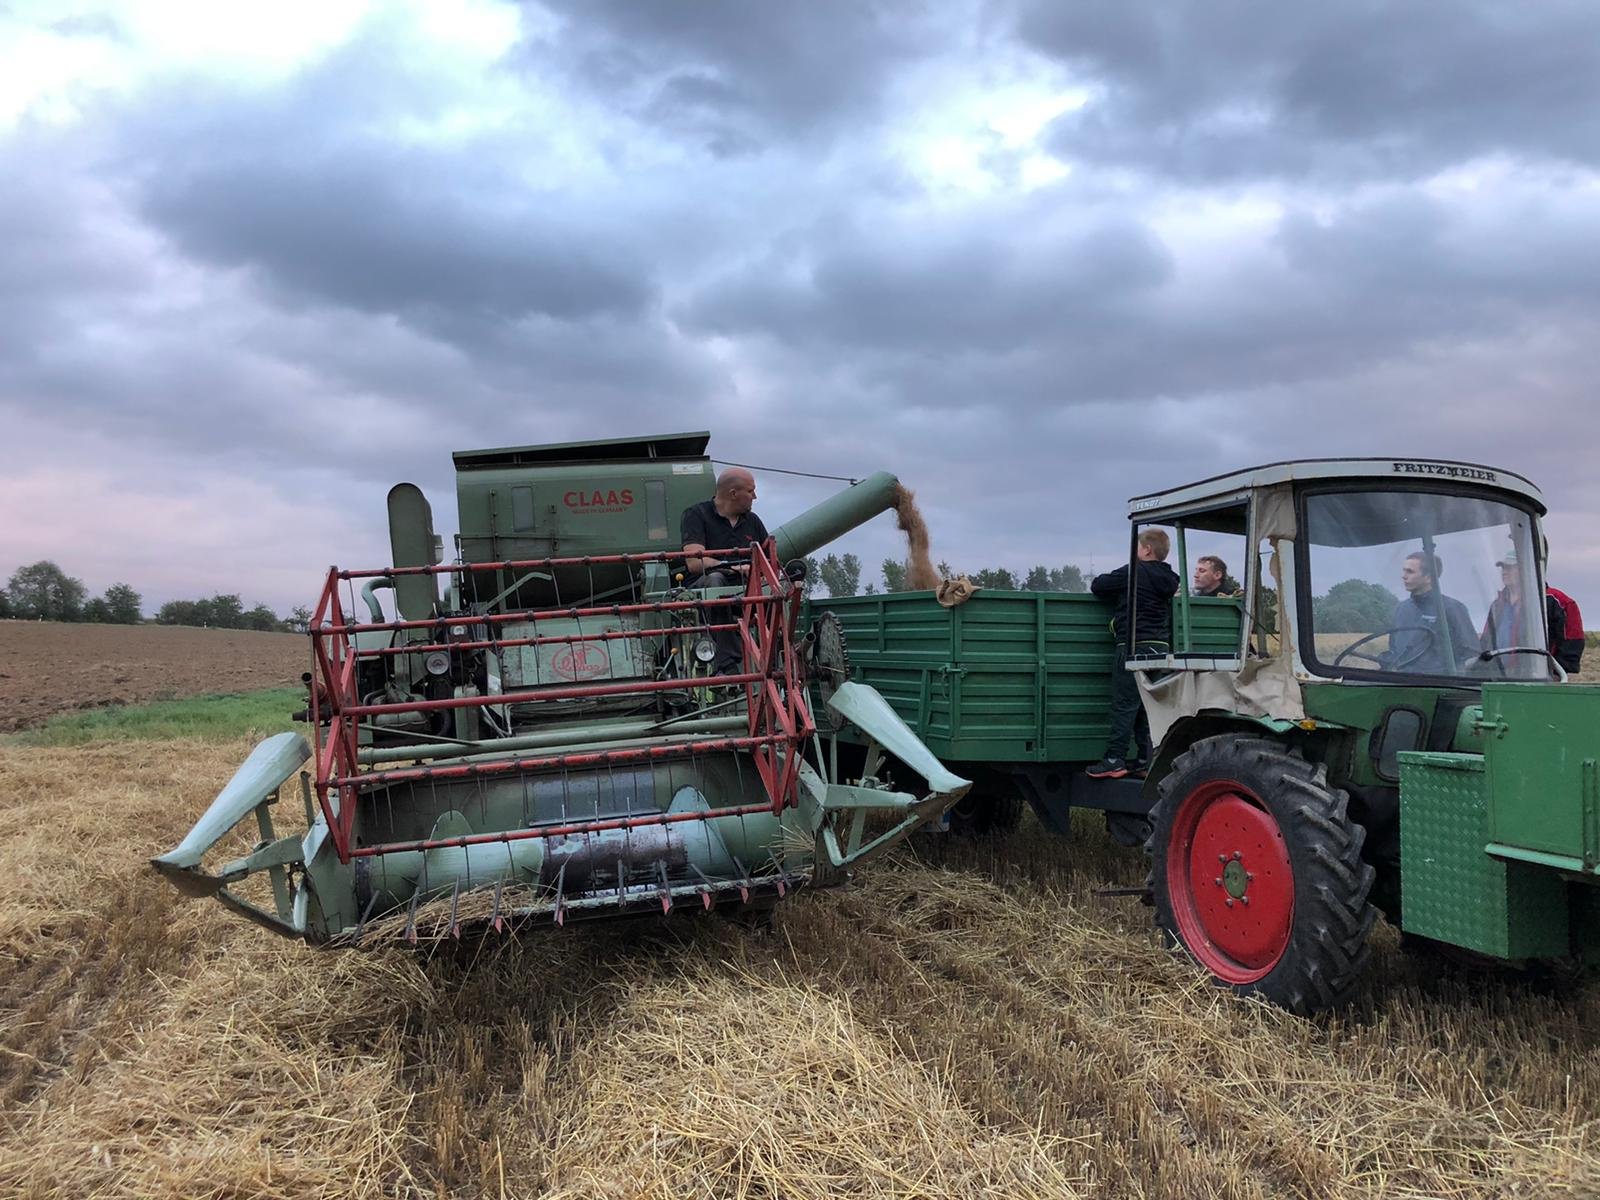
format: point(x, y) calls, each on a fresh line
point(970, 1020)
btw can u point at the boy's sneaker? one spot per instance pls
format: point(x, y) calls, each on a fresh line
point(1108, 768)
point(1138, 769)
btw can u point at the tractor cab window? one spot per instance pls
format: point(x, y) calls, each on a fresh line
point(1421, 584)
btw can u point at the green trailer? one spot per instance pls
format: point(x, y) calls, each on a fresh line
point(1012, 689)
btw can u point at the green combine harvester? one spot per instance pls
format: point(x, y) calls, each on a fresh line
point(536, 732)
point(1318, 762)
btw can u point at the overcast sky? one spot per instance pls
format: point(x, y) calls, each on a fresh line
point(256, 266)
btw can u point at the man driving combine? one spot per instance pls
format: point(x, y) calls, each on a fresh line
point(1419, 636)
point(724, 522)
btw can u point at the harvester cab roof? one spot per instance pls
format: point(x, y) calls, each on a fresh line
point(1362, 570)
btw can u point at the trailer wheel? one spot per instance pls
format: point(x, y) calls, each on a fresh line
point(1256, 872)
point(993, 806)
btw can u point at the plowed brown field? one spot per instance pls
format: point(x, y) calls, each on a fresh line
point(48, 668)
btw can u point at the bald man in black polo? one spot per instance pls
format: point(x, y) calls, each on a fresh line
point(724, 522)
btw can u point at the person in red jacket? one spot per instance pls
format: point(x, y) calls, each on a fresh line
point(1566, 629)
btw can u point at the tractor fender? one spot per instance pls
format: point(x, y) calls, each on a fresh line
point(1309, 735)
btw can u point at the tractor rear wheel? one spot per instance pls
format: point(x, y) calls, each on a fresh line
point(1256, 871)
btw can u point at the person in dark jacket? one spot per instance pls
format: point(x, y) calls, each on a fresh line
point(1155, 586)
point(1426, 622)
point(1565, 628)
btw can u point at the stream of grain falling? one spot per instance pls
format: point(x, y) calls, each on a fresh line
point(920, 573)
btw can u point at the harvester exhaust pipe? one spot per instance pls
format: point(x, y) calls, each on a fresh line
point(836, 516)
point(412, 543)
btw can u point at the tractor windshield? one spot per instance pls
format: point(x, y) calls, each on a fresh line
point(1421, 583)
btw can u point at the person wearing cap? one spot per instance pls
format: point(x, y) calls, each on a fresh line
point(1511, 623)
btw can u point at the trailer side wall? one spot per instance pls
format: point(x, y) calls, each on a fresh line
point(1005, 677)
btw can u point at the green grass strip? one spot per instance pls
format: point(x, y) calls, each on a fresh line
point(212, 718)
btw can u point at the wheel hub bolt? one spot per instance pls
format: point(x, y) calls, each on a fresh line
point(1236, 854)
point(1229, 902)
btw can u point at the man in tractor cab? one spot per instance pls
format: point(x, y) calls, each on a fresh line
point(1156, 585)
point(1511, 623)
point(1211, 578)
point(727, 521)
point(1424, 620)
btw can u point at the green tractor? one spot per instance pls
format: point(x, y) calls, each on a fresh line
point(1388, 732)
point(1374, 724)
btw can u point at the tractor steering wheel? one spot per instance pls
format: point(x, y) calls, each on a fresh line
point(1427, 645)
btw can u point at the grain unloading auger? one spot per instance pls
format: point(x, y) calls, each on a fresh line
point(547, 739)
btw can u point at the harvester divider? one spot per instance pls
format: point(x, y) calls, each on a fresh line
point(865, 708)
point(253, 788)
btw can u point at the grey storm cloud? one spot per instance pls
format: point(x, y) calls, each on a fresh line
point(1234, 90)
point(296, 187)
point(734, 77)
point(973, 285)
point(1005, 308)
point(56, 254)
point(351, 232)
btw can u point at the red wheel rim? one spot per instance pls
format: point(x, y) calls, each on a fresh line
point(1230, 882)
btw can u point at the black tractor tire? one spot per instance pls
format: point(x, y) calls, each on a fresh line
point(1243, 817)
point(992, 808)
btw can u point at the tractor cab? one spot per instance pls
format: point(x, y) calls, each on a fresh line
point(1370, 742)
point(1396, 572)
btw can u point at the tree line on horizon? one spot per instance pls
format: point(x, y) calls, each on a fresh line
point(42, 591)
point(840, 574)
point(1351, 606)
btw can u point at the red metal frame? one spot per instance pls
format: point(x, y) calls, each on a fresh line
point(779, 712)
